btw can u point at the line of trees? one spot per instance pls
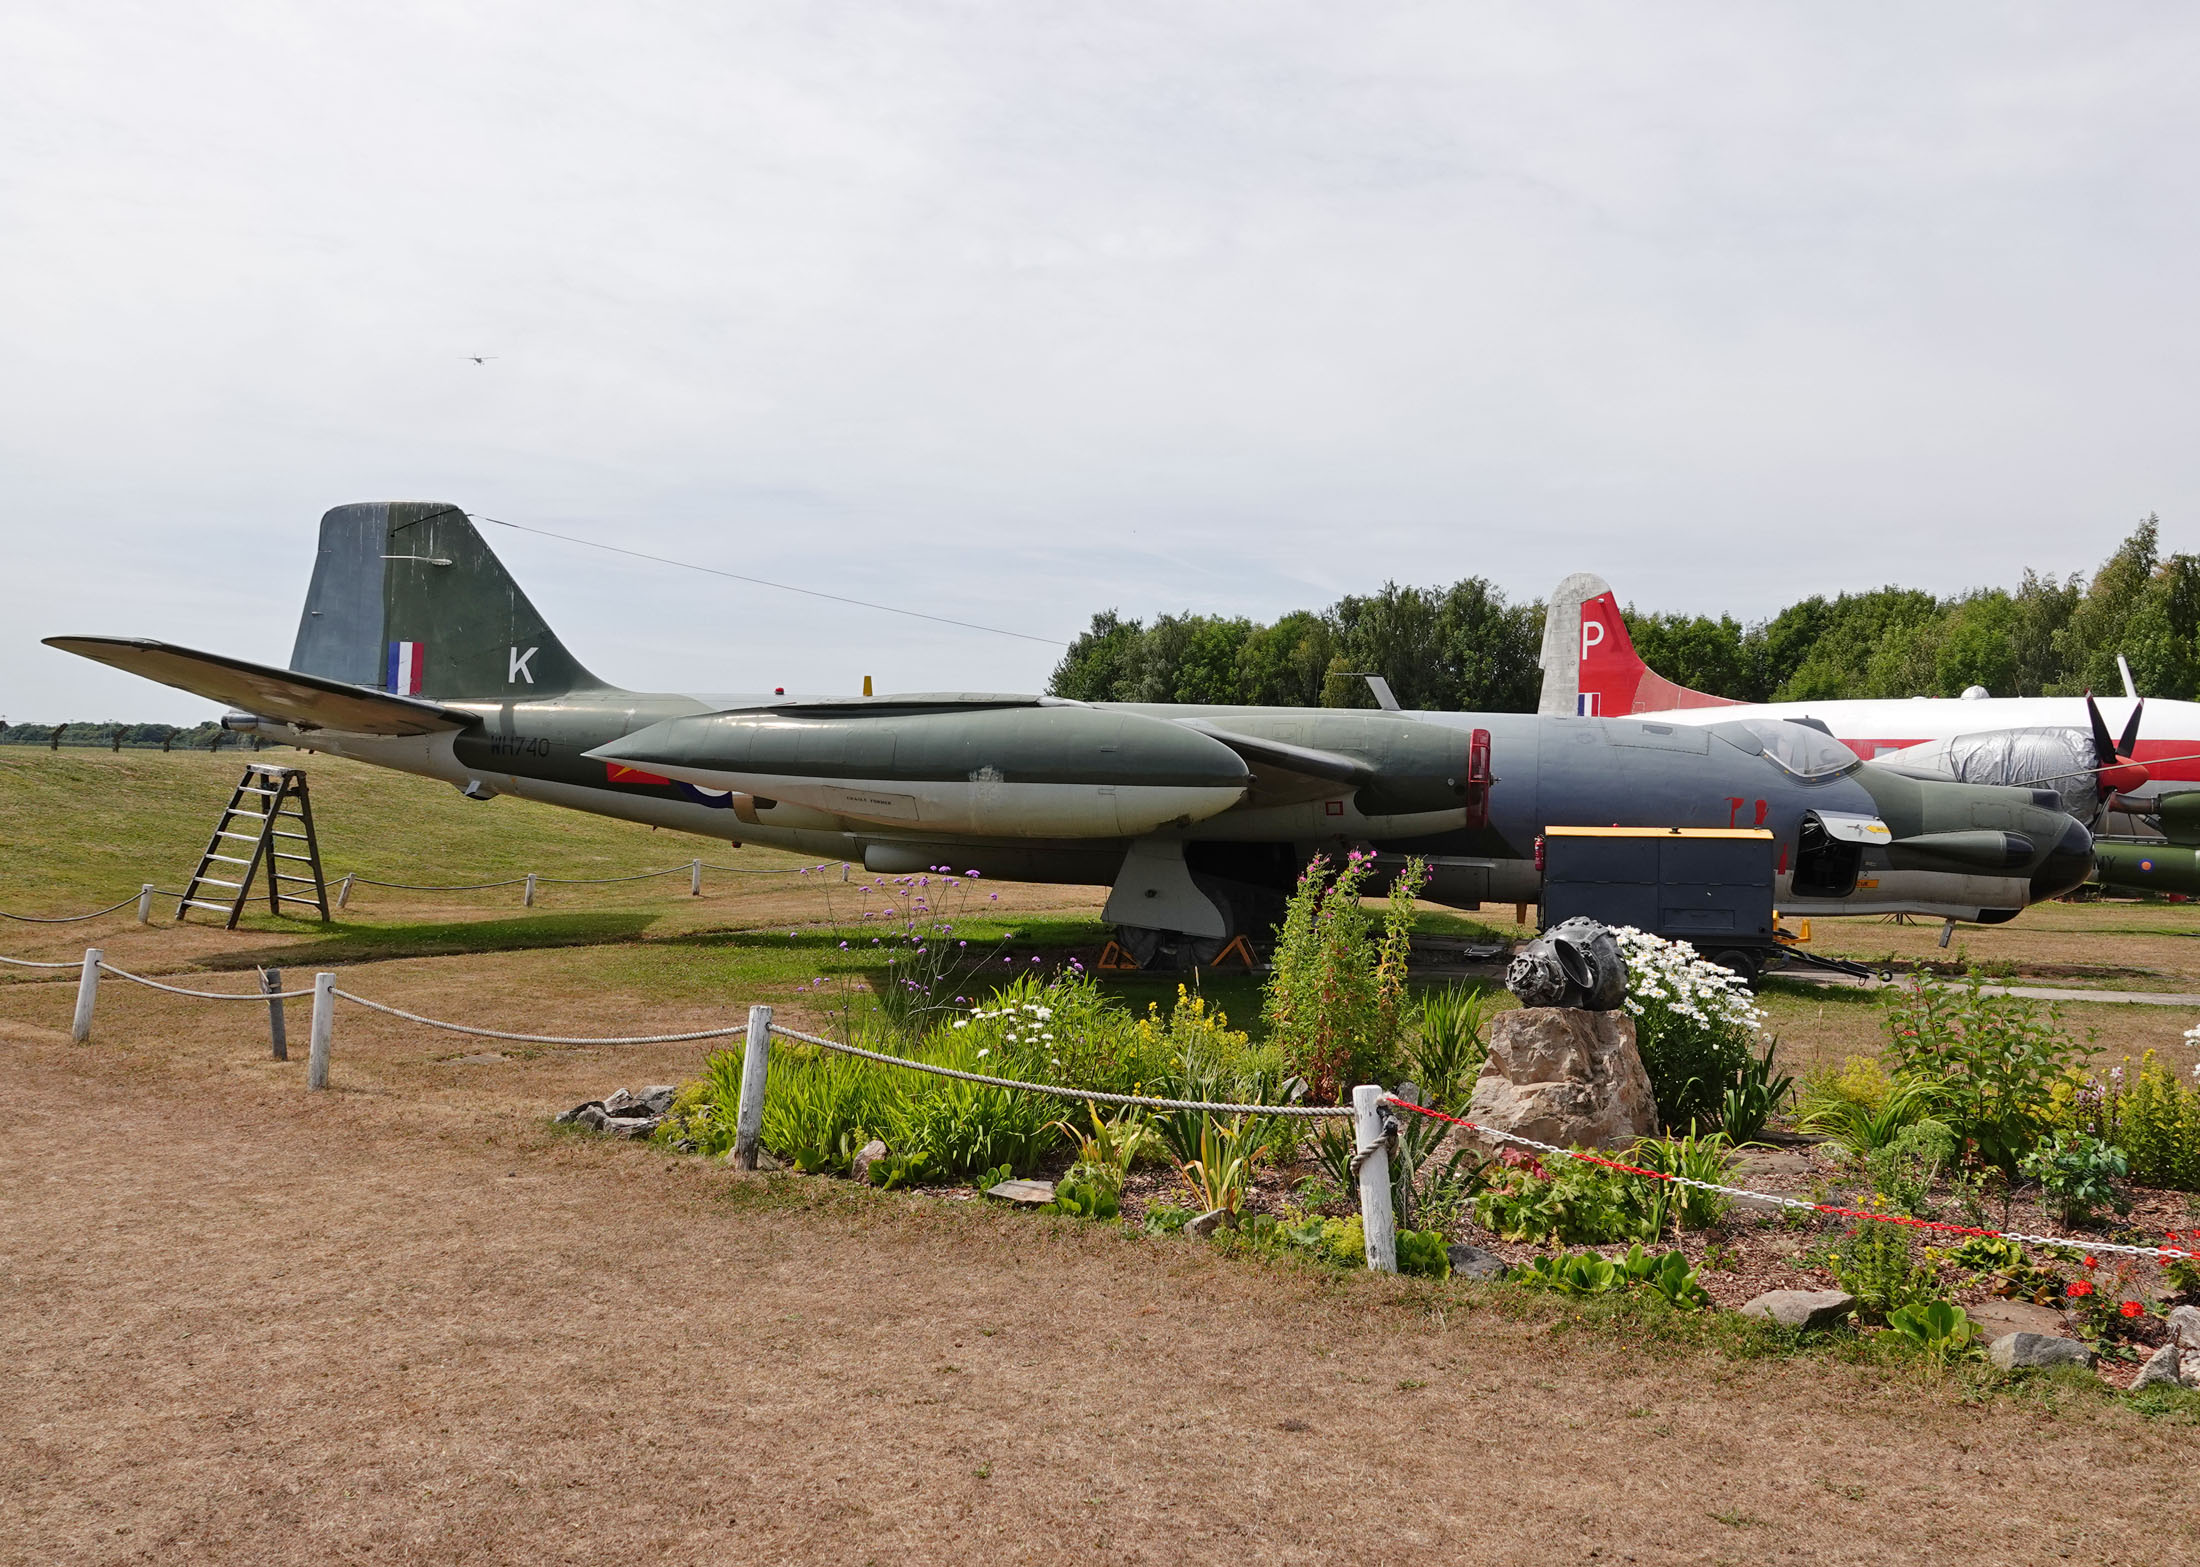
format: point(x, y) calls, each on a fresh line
point(119, 736)
point(1466, 648)
point(1458, 647)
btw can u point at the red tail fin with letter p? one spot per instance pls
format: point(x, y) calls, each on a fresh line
point(1590, 667)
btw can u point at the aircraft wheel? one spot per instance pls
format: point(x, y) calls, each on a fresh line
point(1141, 943)
point(1167, 950)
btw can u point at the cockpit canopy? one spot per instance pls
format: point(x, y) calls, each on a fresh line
point(1802, 749)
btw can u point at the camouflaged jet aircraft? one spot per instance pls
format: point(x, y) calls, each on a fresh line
point(417, 651)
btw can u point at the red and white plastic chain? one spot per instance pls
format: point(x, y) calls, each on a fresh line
point(1790, 1202)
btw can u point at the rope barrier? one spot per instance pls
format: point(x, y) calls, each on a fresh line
point(461, 886)
point(539, 1039)
point(200, 995)
point(1796, 1203)
point(598, 881)
point(1060, 1092)
point(410, 886)
point(27, 963)
point(571, 881)
point(71, 919)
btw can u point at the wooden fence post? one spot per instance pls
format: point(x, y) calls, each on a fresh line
point(529, 901)
point(145, 904)
point(748, 1126)
point(271, 981)
point(343, 893)
point(695, 878)
point(1375, 1215)
point(324, 1022)
point(87, 995)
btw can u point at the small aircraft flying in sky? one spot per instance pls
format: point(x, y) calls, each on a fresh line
point(418, 651)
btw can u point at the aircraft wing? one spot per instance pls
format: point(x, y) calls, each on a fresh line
point(307, 701)
point(1285, 774)
point(894, 705)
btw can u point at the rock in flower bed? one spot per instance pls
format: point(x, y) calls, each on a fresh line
point(622, 1113)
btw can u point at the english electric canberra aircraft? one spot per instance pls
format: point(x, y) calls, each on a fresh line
point(418, 651)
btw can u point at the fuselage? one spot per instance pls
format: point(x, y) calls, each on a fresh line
point(2168, 746)
point(1058, 791)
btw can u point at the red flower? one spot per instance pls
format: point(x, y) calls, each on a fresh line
point(2092, 1261)
point(2079, 1290)
point(2129, 1308)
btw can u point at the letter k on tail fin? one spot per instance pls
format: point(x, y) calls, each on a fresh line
point(1590, 668)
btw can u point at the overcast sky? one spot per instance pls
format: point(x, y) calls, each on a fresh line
point(1015, 312)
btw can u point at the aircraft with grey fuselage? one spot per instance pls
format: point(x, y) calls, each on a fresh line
point(417, 651)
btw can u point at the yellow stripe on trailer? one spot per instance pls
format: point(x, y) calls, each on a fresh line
point(1657, 832)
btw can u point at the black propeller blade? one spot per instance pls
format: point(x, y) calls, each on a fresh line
point(2130, 742)
point(2114, 770)
point(2104, 748)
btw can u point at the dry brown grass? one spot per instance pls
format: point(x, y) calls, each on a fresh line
point(404, 1321)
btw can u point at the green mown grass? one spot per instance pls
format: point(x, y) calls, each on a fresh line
point(79, 829)
point(379, 943)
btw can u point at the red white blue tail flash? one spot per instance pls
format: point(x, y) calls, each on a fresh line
point(406, 662)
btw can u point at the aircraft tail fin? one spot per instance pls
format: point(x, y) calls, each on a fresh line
point(1590, 667)
point(407, 597)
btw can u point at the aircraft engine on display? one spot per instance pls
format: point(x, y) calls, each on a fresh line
point(417, 651)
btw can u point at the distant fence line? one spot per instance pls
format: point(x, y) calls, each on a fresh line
point(693, 869)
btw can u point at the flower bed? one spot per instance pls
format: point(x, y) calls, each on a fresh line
point(1976, 1114)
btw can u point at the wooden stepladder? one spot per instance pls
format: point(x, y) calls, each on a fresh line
point(251, 834)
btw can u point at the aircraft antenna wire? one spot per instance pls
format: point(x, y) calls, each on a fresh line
point(765, 582)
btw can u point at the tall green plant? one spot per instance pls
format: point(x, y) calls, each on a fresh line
point(1994, 1062)
point(1445, 1053)
point(1220, 1171)
point(1335, 1000)
point(1708, 1157)
point(1873, 1262)
point(2147, 1115)
point(1860, 1121)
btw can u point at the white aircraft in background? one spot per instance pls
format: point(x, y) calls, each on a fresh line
point(1591, 669)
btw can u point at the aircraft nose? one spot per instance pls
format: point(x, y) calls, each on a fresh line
point(2067, 865)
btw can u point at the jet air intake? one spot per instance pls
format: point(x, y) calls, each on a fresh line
point(1978, 849)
